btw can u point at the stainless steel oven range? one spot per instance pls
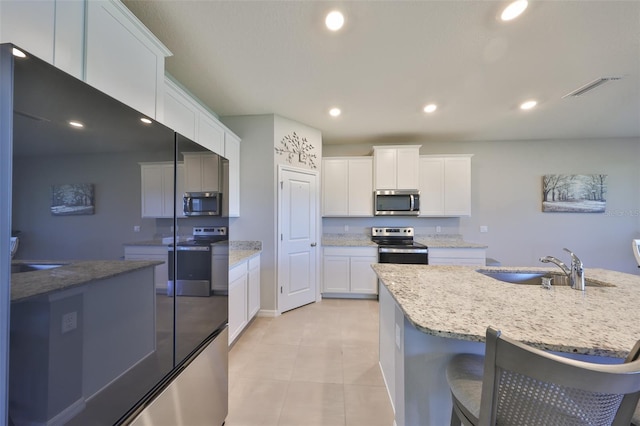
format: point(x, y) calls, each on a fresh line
point(396, 245)
point(191, 270)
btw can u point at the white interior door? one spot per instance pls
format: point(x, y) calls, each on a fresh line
point(297, 240)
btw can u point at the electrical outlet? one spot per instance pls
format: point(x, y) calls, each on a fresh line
point(438, 228)
point(484, 228)
point(398, 337)
point(69, 322)
point(136, 228)
point(346, 228)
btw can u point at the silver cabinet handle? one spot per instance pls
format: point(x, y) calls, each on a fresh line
point(313, 244)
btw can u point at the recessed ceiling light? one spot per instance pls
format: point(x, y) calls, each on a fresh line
point(334, 20)
point(514, 10)
point(145, 120)
point(430, 108)
point(19, 53)
point(76, 124)
point(334, 112)
point(528, 104)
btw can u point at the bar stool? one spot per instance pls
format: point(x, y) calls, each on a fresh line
point(515, 384)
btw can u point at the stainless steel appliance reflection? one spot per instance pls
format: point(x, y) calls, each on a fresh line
point(190, 269)
point(396, 245)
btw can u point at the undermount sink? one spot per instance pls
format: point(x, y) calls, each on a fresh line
point(534, 278)
point(30, 267)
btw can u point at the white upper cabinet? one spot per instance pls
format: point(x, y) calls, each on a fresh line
point(180, 112)
point(123, 58)
point(201, 172)
point(157, 189)
point(347, 186)
point(52, 30)
point(231, 200)
point(445, 185)
point(211, 134)
point(396, 167)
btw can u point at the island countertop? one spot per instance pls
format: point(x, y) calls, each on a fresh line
point(72, 273)
point(460, 303)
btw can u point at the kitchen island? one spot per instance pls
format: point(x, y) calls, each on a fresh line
point(429, 313)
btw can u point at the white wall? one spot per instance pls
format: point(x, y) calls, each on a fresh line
point(507, 197)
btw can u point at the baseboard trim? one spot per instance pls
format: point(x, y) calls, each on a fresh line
point(268, 313)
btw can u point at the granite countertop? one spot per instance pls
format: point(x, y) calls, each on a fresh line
point(73, 273)
point(362, 240)
point(460, 303)
point(239, 251)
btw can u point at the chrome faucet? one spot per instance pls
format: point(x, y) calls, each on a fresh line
point(575, 273)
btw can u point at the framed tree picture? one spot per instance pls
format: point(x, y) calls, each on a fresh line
point(574, 193)
point(72, 199)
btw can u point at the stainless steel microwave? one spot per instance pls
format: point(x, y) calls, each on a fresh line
point(202, 204)
point(396, 202)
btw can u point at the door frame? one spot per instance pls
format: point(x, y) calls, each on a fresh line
point(316, 218)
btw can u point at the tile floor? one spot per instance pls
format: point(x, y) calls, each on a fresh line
point(315, 365)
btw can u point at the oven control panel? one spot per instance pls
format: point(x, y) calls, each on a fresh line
point(392, 232)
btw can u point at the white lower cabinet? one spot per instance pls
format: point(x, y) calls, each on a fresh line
point(347, 270)
point(238, 317)
point(159, 253)
point(244, 295)
point(457, 256)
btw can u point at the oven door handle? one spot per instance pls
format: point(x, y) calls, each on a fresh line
point(403, 250)
point(193, 248)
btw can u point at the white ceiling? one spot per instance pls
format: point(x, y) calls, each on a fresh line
point(393, 57)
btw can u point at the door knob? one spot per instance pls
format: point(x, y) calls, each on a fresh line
point(313, 244)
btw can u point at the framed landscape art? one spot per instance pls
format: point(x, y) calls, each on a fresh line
point(574, 193)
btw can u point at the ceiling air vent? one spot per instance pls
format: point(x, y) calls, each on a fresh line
point(590, 86)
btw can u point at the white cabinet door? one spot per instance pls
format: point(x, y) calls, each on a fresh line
point(232, 153)
point(445, 185)
point(201, 172)
point(361, 187)
point(347, 186)
point(396, 167)
point(348, 270)
point(29, 25)
point(51, 30)
point(407, 168)
point(457, 178)
point(123, 59)
point(431, 186)
point(335, 190)
point(385, 168)
point(180, 113)
point(237, 300)
point(336, 274)
point(253, 297)
point(363, 278)
point(157, 189)
point(210, 134)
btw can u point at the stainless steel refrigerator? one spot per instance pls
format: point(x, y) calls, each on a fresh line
point(93, 339)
